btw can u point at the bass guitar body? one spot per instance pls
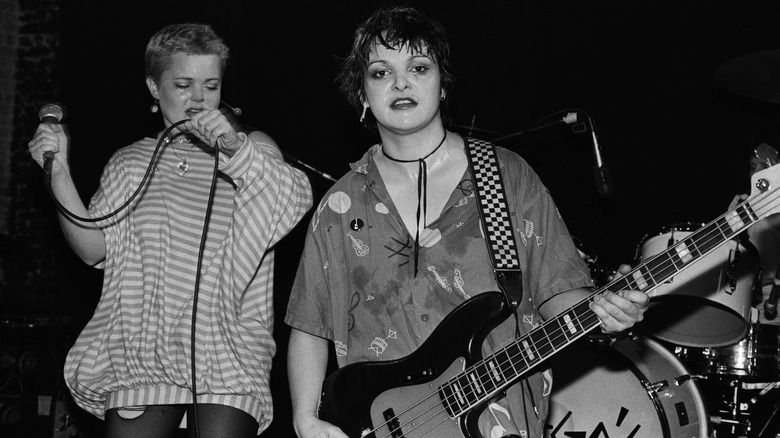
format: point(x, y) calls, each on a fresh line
point(401, 398)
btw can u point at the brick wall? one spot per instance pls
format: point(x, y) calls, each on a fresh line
point(9, 42)
point(38, 273)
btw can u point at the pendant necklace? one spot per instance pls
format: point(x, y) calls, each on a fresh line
point(183, 165)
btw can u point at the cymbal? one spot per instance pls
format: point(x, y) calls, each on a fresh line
point(754, 75)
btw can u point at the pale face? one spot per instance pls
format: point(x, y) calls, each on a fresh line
point(191, 84)
point(402, 88)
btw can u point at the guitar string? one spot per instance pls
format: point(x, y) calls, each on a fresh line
point(705, 239)
point(591, 319)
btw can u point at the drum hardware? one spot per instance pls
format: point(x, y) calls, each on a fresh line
point(731, 278)
point(768, 421)
point(657, 386)
point(764, 391)
point(709, 304)
point(717, 420)
point(686, 377)
point(770, 305)
point(755, 358)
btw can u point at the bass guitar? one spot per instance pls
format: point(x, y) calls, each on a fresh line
point(440, 389)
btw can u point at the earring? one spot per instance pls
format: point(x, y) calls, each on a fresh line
point(154, 108)
point(363, 115)
point(443, 95)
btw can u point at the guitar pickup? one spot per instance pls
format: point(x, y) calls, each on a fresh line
point(393, 424)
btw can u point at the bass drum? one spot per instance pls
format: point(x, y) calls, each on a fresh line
point(632, 388)
point(707, 304)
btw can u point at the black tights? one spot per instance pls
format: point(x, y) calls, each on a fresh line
point(162, 421)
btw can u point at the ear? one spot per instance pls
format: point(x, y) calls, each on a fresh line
point(152, 87)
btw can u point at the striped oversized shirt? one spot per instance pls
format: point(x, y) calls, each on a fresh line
point(136, 350)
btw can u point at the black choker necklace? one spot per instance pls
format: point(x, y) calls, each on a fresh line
point(422, 194)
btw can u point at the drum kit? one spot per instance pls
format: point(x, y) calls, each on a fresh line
point(700, 364)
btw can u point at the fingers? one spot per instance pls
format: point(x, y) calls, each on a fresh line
point(46, 139)
point(736, 200)
point(211, 126)
point(621, 310)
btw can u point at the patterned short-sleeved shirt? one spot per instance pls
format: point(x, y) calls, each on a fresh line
point(356, 284)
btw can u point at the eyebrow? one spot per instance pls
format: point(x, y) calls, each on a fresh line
point(190, 78)
point(383, 61)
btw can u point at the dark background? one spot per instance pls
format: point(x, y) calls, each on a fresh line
point(676, 143)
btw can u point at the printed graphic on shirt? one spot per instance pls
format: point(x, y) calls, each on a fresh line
point(441, 280)
point(341, 348)
point(458, 282)
point(379, 345)
point(528, 232)
point(339, 202)
point(361, 249)
point(381, 208)
point(467, 188)
point(403, 249)
point(547, 377)
point(316, 219)
point(500, 415)
point(429, 237)
point(352, 306)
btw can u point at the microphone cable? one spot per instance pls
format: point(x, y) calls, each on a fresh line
point(201, 248)
point(66, 212)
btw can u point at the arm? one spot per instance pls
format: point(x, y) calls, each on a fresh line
point(307, 360)
point(85, 239)
point(617, 311)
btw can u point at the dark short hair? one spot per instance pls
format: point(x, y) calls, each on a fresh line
point(189, 38)
point(393, 27)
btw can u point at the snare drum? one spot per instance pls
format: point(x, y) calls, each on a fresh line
point(707, 304)
point(630, 389)
point(755, 358)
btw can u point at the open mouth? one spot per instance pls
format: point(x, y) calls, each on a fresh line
point(403, 103)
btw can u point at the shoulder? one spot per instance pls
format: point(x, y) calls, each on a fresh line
point(138, 150)
point(265, 142)
point(261, 137)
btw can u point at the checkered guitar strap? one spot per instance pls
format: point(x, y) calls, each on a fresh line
point(496, 221)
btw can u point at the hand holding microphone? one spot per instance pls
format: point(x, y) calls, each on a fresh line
point(214, 128)
point(49, 137)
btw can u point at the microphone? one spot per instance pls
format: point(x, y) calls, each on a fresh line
point(770, 305)
point(52, 114)
point(236, 111)
point(569, 119)
point(603, 177)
